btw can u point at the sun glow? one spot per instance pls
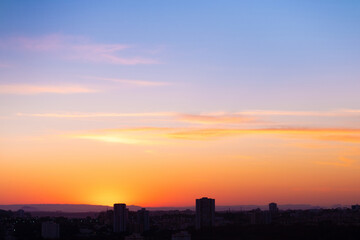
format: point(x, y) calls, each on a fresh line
point(106, 196)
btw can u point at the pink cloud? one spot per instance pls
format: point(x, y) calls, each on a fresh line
point(45, 43)
point(217, 118)
point(27, 89)
point(4, 65)
point(100, 115)
point(109, 58)
point(140, 83)
point(76, 48)
point(333, 113)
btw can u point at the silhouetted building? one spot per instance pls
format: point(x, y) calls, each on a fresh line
point(120, 217)
point(50, 230)
point(205, 213)
point(260, 217)
point(106, 217)
point(143, 220)
point(273, 208)
point(355, 207)
point(20, 213)
point(183, 235)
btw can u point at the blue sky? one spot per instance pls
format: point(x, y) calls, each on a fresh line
point(229, 48)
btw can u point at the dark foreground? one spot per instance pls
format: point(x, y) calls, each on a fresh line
point(334, 224)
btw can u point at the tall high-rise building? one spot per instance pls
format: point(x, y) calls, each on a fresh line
point(120, 217)
point(273, 208)
point(143, 220)
point(50, 230)
point(205, 213)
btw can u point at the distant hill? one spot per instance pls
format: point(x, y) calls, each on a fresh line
point(56, 207)
point(82, 208)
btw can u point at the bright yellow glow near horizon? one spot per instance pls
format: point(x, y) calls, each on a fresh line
point(255, 168)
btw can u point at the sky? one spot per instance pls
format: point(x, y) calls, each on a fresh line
point(157, 103)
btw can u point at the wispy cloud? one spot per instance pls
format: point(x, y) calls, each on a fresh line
point(96, 115)
point(108, 138)
point(342, 162)
point(123, 136)
point(172, 116)
point(258, 116)
point(355, 111)
point(4, 65)
point(76, 47)
point(215, 118)
point(342, 137)
point(140, 83)
point(28, 89)
point(332, 134)
point(332, 113)
point(225, 119)
point(164, 134)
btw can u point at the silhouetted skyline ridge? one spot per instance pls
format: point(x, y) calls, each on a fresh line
point(99, 208)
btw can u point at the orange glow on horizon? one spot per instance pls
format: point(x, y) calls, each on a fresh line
point(230, 170)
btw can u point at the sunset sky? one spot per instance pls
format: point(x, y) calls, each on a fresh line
point(156, 103)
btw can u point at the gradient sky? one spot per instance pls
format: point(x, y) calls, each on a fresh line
point(156, 103)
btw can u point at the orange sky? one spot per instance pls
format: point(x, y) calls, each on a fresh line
point(154, 166)
point(159, 103)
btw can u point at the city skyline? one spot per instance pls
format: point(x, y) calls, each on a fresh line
point(157, 104)
point(202, 223)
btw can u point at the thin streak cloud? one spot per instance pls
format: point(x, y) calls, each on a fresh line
point(342, 162)
point(330, 134)
point(139, 136)
point(4, 65)
point(334, 113)
point(140, 83)
point(27, 89)
point(110, 139)
point(76, 48)
point(96, 115)
point(156, 133)
point(215, 119)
